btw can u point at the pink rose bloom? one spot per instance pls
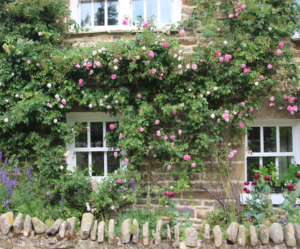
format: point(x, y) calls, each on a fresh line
point(270, 66)
point(246, 70)
point(271, 104)
point(225, 116)
point(80, 82)
point(181, 32)
point(261, 77)
point(146, 25)
point(241, 125)
point(99, 65)
point(291, 100)
point(165, 137)
point(194, 66)
point(111, 126)
point(156, 121)
point(281, 44)
point(114, 76)
point(234, 152)
point(141, 129)
point(243, 65)
point(179, 132)
point(186, 158)
point(126, 160)
point(166, 44)
point(158, 133)
point(236, 14)
point(230, 155)
point(221, 59)
point(231, 15)
point(218, 53)
point(119, 180)
point(235, 3)
point(285, 96)
point(240, 114)
point(250, 110)
point(139, 95)
point(148, 62)
point(63, 101)
point(174, 112)
point(121, 135)
point(272, 98)
point(77, 65)
point(172, 144)
point(278, 51)
point(89, 65)
point(115, 154)
point(289, 108)
point(182, 104)
point(149, 147)
point(228, 57)
point(169, 166)
point(112, 207)
point(172, 137)
point(295, 108)
point(116, 101)
point(125, 22)
point(238, 9)
point(193, 165)
point(54, 121)
point(153, 71)
point(160, 78)
point(151, 53)
point(243, 6)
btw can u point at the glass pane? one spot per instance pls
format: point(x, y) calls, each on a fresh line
point(82, 161)
point(254, 139)
point(270, 139)
point(138, 9)
point(81, 138)
point(86, 9)
point(269, 162)
point(113, 163)
point(284, 162)
point(112, 11)
point(152, 9)
point(286, 139)
point(252, 164)
point(97, 164)
point(166, 11)
point(111, 136)
point(96, 134)
point(99, 12)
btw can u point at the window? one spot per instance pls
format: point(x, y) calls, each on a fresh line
point(90, 149)
point(271, 141)
point(108, 14)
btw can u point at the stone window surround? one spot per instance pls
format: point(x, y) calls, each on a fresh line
point(125, 8)
point(75, 117)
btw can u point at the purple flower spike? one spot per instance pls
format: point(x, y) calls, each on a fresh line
point(0, 156)
point(16, 170)
point(185, 207)
point(5, 161)
point(132, 184)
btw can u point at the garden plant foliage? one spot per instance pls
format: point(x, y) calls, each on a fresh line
point(174, 108)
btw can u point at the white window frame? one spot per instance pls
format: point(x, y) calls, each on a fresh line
point(88, 117)
point(295, 124)
point(125, 8)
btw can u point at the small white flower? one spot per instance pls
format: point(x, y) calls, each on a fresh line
point(234, 112)
point(91, 72)
point(19, 52)
point(179, 66)
point(94, 52)
point(5, 120)
point(156, 42)
point(227, 120)
point(208, 92)
point(90, 105)
point(106, 96)
point(180, 51)
point(85, 60)
point(65, 57)
point(225, 43)
point(218, 29)
point(256, 83)
point(61, 167)
point(55, 121)
point(100, 51)
point(82, 92)
point(49, 85)
point(6, 101)
point(171, 187)
point(175, 56)
point(270, 28)
point(115, 67)
point(61, 106)
point(215, 88)
point(137, 57)
point(190, 90)
point(179, 58)
point(17, 95)
point(154, 155)
point(56, 96)
point(212, 115)
point(188, 66)
point(50, 106)
point(108, 107)
point(180, 72)
point(101, 103)
point(218, 120)
point(103, 48)
point(144, 48)
point(201, 95)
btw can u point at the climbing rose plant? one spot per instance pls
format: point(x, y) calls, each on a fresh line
point(174, 107)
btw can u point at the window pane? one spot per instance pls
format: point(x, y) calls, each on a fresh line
point(138, 8)
point(97, 164)
point(111, 136)
point(286, 139)
point(270, 139)
point(81, 138)
point(152, 9)
point(166, 11)
point(86, 9)
point(82, 161)
point(99, 6)
point(112, 11)
point(113, 163)
point(96, 134)
point(284, 162)
point(252, 164)
point(254, 139)
point(269, 162)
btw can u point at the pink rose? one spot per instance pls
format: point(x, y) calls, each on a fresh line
point(166, 44)
point(295, 108)
point(172, 144)
point(126, 160)
point(139, 95)
point(181, 32)
point(125, 22)
point(179, 132)
point(174, 112)
point(241, 125)
point(246, 70)
point(270, 66)
point(221, 59)
point(243, 65)
point(114, 76)
point(153, 71)
point(80, 82)
point(77, 65)
point(285, 96)
point(63, 101)
point(158, 133)
point(146, 25)
point(156, 121)
point(193, 165)
point(89, 65)
point(272, 98)
point(236, 14)
point(112, 207)
point(119, 180)
point(231, 15)
point(169, 166)
point(141, 129)
point(289, 108)
point(115, 154)
point(278, 51)
point(235, 3)
point(194, 66)
point(151, 53)
point(261, 77)
point(250, 110)
point(149, 147)
point(186, 158)
point(243, 6)
point(230, 155)
point(271, 104)
point(228, 57)
point(121, 135)
point(111, 126)
point(281, 44)
point(225, 116)
point(172, 137)
point(165, 137)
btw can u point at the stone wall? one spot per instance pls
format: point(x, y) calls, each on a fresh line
point(33, 233)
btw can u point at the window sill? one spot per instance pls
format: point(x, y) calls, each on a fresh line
point(277, 199)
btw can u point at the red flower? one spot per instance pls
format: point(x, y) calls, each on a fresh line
point(291, 187)
point(267, 178)
point(245, 189)
point(250, 220)
point(298, 175)
point(169, 194)
point(268, 216)
point(248, 191)
point(254, 183)
point(256, 176)
point(246, 183)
